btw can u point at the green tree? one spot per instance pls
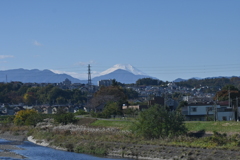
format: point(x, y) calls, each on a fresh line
point(131, 112)
point(181, 105)
point(114, 82)
point(223, 95)
point(108, 94)
point(65, 118)
point(29, 98)
point(130, 93)
point(230, 87)
point(148, 81)
point(111, 108)
point(61, 100)
point(157, 122)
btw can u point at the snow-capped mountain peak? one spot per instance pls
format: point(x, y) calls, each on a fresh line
point(126, 67)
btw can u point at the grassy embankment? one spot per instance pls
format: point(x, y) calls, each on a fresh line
point(193, 126)
point(229, 127)
point(218, 140)
point(221, 134)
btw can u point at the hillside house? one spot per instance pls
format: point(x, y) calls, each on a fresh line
point(135, 107)
point(156, 100)
point(201, 112)
point(107, 82)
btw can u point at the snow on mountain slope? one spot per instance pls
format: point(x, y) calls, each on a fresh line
point(126, 67)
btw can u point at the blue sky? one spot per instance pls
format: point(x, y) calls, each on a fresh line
point(165, 39)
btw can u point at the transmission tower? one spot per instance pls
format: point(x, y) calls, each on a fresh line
point(89, 76)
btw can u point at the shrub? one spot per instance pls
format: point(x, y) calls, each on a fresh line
point(157, 122)
point(81, 112)
point(65, 118)
point(27, 117)
point(91, 148)
point(221, 139)
point(111, 108)
point(93, 114)
point(6, 119)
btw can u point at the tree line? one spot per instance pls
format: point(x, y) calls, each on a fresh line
point(214, 84)
point(14, 93)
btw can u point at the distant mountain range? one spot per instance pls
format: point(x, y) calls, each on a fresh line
point(180, 79)
point(197, 78)
point(34, 76)
point(122, 73)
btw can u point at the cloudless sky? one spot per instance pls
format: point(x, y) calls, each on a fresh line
point(167, 39)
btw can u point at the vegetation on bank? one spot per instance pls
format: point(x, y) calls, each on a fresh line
point(211, 126)
point(157, 122)
point(88, 135)
point(121, 124)
point(229, 127)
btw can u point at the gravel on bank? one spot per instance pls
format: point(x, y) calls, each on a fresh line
point(6, 147)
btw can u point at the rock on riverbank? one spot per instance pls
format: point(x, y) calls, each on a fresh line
point(44, 143)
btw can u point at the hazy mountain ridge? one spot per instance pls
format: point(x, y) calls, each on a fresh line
point(34, 76)
point(122, 73)
point(47, 76)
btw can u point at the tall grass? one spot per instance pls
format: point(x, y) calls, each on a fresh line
point(208, 126)
point(219, 126)
point(124, 125)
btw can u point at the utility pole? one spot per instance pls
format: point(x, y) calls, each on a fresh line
point(229, 99)
point(6, 79)
point(215, 111)
point(216, 108)
point(89, 76)
point(89, 85)
point(237, 107)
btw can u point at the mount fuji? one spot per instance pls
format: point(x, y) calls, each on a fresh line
point(122, 73)
point(126, 67)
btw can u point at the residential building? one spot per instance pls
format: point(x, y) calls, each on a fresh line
point(105, 82)
point(135, 107)
point(156, 100)
point(200, 112)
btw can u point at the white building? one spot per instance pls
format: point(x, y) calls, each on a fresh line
point(201, 112)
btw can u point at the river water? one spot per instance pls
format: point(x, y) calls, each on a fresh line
point(35, 152)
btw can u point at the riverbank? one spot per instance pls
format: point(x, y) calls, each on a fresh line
point(145, 152)
point(9, 143)
point(44, 143)
point(114, 142)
